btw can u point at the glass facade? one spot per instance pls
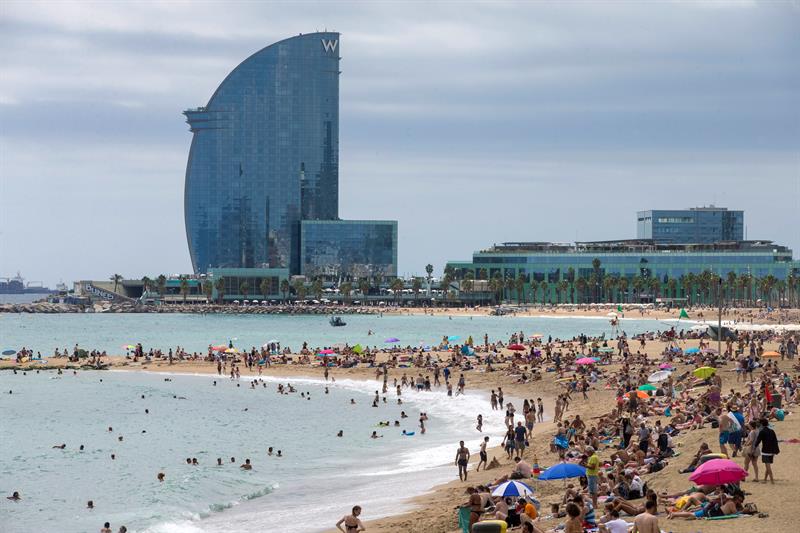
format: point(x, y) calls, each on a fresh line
point(240, 283)
point(697, 225)
point(338, 249)
point(264, 156)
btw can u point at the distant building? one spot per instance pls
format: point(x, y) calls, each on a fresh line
point(265, 157)
point(694, 225)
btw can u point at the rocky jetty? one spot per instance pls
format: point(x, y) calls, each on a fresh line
point(229, 309)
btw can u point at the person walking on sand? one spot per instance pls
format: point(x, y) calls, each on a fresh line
point(351, 522)
point(482, 454)
point(769, 448)
point(462, 459)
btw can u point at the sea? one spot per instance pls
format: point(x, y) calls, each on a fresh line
point(320, 475)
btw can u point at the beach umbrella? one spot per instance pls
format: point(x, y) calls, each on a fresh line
point(704, 372)
point(612, 314)
point(9, 352)
point(563, 471)
point(513, 489)
point(664, 366)
point(765, 354)
point(231, 350)
point(272, 341)
point(683, 314)
point(639, 394)
point(392, 339)
point(466, 350)
point(585, 361)
point(691, 350)
point(220, 347)
point(661, 375)
point(124, 347)
point(619, 308)
point(537, 336)
point(453, 338)
point(326, 351)
point(718, 472)
point(647, 387)
point(606, 349)
point(516, 347)
point(358, 348)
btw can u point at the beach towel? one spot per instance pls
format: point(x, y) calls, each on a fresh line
point(561, 442)
point(463, 519)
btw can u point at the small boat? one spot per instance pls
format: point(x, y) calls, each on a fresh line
point(337, 321)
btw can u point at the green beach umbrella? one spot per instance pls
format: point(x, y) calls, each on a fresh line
point(648, 387)
point(358, 348)
point(704, 372)
point(619, 308)
point(683, 314)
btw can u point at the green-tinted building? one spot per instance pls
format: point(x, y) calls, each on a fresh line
point(630, 270)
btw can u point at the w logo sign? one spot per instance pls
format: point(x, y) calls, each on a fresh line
point(329, 46)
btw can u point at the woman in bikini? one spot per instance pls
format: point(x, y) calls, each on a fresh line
point(351, 522)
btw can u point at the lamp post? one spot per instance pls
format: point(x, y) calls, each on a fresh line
point(719, 317)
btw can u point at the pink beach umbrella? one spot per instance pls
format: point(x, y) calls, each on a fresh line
point(326, 351)
point(585, 361)
point(664, 366)
point(718, 472)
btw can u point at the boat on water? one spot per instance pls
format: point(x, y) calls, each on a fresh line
point(17, 285)
point(337, 321)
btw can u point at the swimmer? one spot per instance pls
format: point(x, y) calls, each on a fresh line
point(340, 434)
point(113, 456)
point(119, 438)
point(219, 461)
point(246, 465)
point(375, 435)
point(80, 448)
point(106, 528)
point(15, 497)
point(110, 429)
point(60, 446)
point(90, 504)
point(233, 459)
point(160, 477)
point(194, 461)
point(279, 454)
point(188, 460)
point(269, 451)
point(352, 401)
point(403, 414)
point(147, 411)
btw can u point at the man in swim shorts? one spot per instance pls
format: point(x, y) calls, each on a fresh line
point(462, 459)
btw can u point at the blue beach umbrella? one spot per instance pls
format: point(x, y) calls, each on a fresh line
point(513, 489)
point(563, 471)
point(692, 350)
point(9, 352)
point(453, 338)
point(392, 339)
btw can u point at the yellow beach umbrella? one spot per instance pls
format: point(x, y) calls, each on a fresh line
point(231, 350)
point(771, 353)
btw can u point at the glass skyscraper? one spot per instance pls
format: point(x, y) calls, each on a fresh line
point(264, 156)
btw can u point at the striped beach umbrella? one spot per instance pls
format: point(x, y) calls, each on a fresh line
point(513, 489)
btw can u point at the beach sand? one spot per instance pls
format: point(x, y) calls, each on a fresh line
point(434, 511)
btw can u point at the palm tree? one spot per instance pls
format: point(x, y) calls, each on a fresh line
point(519, 286)
point(791, 285)
point(563, 285)
point(599, 277)
point(397, 287)
point(445, 285)
point(264, 287)
point(162, 285)
point(244, 288)
point(184, 287)
point(483, 273)
point(316, 288)
point(285, 287)
point(345, 289)
point(545, 294)
point(731, 286)
point(416, 286)
point(299, 287)
point(363, 287)
point(429, 276)
point(469, 282)
point(687, 281)
point(146, 284)
point(581, 285)
point(116, 278)
point(219, 284)
point(594, 280)
point(655, 288)
point(510, 283)
point(208, 289)
point(608, 287)
point(672, 284)
point(496, 285)
point(622, 288)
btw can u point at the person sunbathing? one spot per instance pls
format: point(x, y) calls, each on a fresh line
point(723, 506)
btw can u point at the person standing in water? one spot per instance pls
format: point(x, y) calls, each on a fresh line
point(483, 455)
point(462, 459)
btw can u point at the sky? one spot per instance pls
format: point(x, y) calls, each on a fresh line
point(469, 123)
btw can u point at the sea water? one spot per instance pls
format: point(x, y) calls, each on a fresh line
point(194, 332)
point(319, 478)
point(317, 481)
